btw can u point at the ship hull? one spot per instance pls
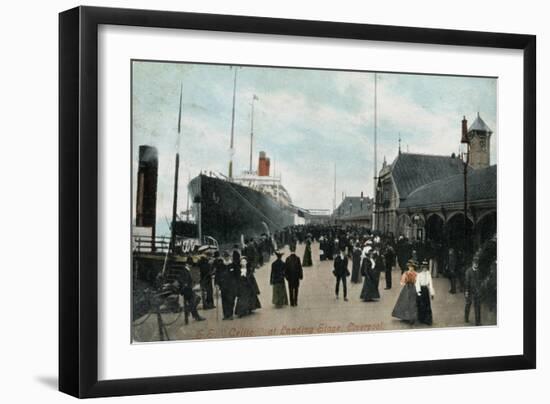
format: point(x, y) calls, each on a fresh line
point(227, 210)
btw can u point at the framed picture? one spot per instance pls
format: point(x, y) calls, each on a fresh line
point(251, 201)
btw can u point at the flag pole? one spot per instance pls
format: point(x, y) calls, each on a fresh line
point(254, 98)
point(176, 174)
point(374, 224)
point(231, 144)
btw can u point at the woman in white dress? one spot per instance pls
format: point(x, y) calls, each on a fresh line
point(425, 293)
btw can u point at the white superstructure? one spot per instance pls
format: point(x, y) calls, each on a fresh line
point(268, 185)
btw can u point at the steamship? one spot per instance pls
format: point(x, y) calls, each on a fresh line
point(249, 205)
point(225, 208)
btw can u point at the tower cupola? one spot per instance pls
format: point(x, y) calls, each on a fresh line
point(479, 137)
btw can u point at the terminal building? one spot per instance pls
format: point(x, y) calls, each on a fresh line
point(354, 210)
point(422, 196)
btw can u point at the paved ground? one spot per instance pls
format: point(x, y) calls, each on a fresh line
point(318, 311)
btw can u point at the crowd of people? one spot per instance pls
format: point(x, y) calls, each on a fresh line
point(234, 276)
point(368, 255)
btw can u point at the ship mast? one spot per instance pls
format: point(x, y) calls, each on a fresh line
point(231, 147)
point(278, 182)
point(175, 202)
point(334, 196)
point(375, 151)
point(254, 98)
point(188, 180)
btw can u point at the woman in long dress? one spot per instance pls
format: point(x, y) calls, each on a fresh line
point(307, 262)
point(277, 280)
point(406, 306)
point(247, 298)
point(369, 292)
point(378, 267)
point(322, 249)
point(425, 292)
point(255, 302)
point(356, 264)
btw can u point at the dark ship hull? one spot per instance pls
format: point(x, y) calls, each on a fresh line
point(228, 210)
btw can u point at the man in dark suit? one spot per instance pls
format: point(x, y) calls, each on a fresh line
point(389, 257)
point(185, 282)
point(227, 278)
point(293, 275)
point(451, 269)
point(472, 292)
point(207, 291)
point(341, 273)
point(236, 256)
point(403, 253)
point(293, 242)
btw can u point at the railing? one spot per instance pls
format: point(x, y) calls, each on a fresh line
point(159, 244)
point(214, 174)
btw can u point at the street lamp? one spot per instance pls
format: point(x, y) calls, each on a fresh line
point(416, 221)
point(466, 141)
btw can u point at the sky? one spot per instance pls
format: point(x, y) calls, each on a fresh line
point(307, 121)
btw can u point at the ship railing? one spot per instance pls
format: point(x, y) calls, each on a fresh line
point(148, 244)
point(214, 174)
point(161, 244)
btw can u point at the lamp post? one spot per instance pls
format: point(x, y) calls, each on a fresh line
point(416, 222)
point(176, 176)
point(465, 140)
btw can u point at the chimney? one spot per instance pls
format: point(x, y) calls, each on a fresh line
point(464, 131)
point(263, 165)
point(146, 197)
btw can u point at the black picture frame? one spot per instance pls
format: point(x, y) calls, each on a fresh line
point(78, 200)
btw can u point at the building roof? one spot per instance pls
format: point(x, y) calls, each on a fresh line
point(480, 126)
point(351, 207)
point(386, 168)
point(482, 185)
point(411, 171)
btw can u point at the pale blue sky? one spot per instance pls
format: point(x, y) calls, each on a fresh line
point(305, 120)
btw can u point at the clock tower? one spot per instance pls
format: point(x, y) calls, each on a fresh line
point(479, 137)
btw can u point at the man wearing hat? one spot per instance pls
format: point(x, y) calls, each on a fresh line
point(451, 269)
point(236, 256)
point(186, 290)
point(207, 291)
point(293, 242)
point(472, 292)
point(277, 280)
point(403, 253)
point(341, 272)
point(389, 259)
point(293, 274)
point(227, 278)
